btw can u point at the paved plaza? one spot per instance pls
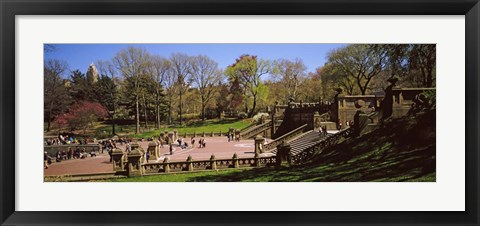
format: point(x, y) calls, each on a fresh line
point(219, 146)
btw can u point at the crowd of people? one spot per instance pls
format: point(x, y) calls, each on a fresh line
point(62, 140)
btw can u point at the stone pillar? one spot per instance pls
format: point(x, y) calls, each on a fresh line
point(257, 160)
point(118, 161)
point(235, 161)
point(283, 155)
point(134, 167)
point(237, 135)
point(316, 122)
point(185, 135)
point(213, 163)
point(274, 112)
point(258, 144)
point(203, 134)
point(189, 163)
point(162, 137)
point(222, 115)
point(211, 134)
point(170, 137)
point(175, 135)
point(360, 122)
point(153, 150)
point(194, 133)
point(166, 166)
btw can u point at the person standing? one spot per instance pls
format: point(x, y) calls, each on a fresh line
point(45, 160)
point(171, 149)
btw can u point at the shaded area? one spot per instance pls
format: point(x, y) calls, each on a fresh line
point(403, 150)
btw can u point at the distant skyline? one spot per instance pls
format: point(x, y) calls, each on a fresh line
point(80, 56)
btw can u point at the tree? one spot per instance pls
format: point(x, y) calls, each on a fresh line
point(205, 75)
point(106, 90)
point(181, 67)
point(289, 74)
point(423, 58)
point(159, 68)
point(79, 89)
point(82, 116)
point(131, 63)
point(248, 70)
point(360, 62)
point(56, 98)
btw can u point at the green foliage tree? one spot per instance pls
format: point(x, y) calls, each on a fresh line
point(360, 62)
point(248, 70)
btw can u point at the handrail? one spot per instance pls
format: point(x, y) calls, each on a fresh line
point(284, 137)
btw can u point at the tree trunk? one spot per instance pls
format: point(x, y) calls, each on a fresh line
point(180, 106)
point(203, 109)
point(253, 107)
point(145, 111)
point(137, 116)
point(49, 117)
point(157, 112)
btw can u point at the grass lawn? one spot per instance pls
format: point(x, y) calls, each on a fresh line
point(199, 127)
point(101, 130)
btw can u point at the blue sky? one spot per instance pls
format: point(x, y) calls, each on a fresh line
point(80, 56)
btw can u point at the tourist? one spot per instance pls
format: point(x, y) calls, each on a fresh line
point(45, 160)
point(64, 155)
point(128, 148)
point(69, 153)
point(228, 136)
point(203, 143)
point(200, 142)
point(148, 156)
point(347, 123)
point(193, 141)
point(161, 143)
point(171, 149)
point(110, 153)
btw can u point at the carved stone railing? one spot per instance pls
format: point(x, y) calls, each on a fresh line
point(248, 127)
point(325, 117)
point(284, 138)
point(213, 164)
point(326, 142)
point(256, 130)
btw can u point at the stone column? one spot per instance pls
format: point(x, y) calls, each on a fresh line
point(213, 163)
point(258, 143)
point(170, 137)
point(257, 160)
point(235, 161)
point(283, 155)
point(175, 135)
point(166, 166)
point(189, 163)
point(134, 167)
point(153, 150)
point(117, 160)
point(316, 122)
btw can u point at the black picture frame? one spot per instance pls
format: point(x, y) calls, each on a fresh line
point(9, 9)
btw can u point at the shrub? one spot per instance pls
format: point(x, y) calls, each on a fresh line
point(242, 115)
point(257, 118)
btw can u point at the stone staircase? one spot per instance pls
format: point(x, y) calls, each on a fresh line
point(254, 130)
point(304, 141)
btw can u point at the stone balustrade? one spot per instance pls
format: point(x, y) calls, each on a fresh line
point(256, 130)
point(191, 165)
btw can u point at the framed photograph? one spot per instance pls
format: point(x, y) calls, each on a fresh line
point(252, 113)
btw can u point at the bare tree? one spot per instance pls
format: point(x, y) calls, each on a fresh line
point(289, 74)
point(205, 76)
point(159, 68)
point(181, 68)
point(55, 92)
point(131, 63)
